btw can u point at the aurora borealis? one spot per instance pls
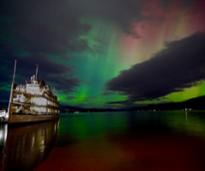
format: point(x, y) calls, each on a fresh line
point(106, 53)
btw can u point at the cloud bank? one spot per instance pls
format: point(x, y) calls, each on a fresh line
point(179, 65)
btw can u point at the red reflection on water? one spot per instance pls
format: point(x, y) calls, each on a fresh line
point(159, 153)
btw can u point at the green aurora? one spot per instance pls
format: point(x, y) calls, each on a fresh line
point(94, 49)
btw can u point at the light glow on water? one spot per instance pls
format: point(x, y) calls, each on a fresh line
point(110, 141)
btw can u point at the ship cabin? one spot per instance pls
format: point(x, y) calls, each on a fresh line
point(35, 98)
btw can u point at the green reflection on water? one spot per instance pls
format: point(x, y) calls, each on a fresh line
point(87, 125)
point(100, 125)
point(190, 122)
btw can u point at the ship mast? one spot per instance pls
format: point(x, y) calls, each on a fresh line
point(12, 87)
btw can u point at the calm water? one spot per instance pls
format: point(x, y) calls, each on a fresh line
point(142, 141)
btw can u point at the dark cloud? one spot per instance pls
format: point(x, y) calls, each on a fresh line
point(119, 12)
point(53, 26)
point(57, 75)
point(60, 76)
point(31, 31)
point(45, 27)
point(180, 65)
point(186, 3)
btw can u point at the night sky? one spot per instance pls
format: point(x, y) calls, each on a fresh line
point(106, 53)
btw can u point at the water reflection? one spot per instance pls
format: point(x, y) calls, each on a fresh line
point(193, 123)
point(22, 148)
point(141, 141)
point(3, 134)
point(91, 125)
point(144, 141)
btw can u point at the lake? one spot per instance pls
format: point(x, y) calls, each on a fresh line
point(107, 141)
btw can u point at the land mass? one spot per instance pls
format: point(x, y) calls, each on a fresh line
point(195, 104)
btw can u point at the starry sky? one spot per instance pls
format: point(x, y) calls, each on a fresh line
point(106, 53)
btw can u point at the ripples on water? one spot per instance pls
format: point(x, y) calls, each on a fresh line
point(112, 141)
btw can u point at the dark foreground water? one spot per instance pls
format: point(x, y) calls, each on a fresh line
point(141, 141)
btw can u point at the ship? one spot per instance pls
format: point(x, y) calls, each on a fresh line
point(33, 101)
